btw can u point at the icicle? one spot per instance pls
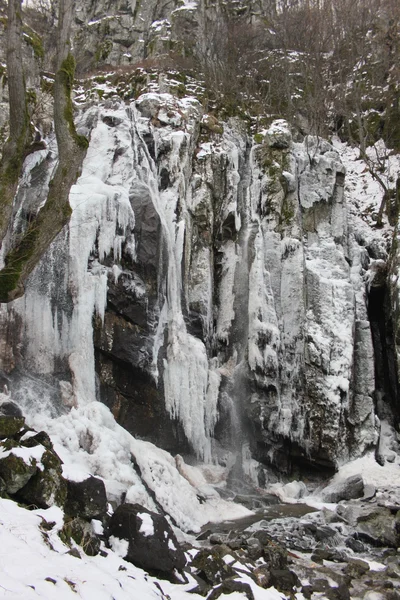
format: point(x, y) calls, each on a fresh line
point(191, 389)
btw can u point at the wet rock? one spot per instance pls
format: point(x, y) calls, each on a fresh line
point(10, 409)
point(352, 487)
point(152, 544)
point(86, 499)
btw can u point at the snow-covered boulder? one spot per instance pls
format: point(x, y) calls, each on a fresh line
point(278, 135)
point(145, 539)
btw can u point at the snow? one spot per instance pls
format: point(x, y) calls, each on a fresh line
point(119, 546)
point(371, 472)
point(364, 192)
point(89, 441)
point(147, 526)
point(28, 455)
point(36, 564)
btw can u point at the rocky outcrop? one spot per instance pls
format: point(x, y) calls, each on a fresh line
point(228, 285)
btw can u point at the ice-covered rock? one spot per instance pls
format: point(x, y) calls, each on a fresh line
point(203, 291)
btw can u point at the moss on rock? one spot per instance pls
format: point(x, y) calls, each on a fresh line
point(16, 473)
point(10, 425)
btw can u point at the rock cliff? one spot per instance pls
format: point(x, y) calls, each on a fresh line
point(210, 289)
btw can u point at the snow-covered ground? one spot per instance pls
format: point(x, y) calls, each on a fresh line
point(36, 564)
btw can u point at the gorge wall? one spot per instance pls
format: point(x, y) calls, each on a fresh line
point(220, 292)
point(211, 293)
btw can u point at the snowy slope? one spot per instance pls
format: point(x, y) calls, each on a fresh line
point(35, 564)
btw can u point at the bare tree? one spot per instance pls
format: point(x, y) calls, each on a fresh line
point(13, 153)
point(56, 212)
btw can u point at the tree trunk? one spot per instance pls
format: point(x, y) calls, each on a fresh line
point(14, 149)
point(56, 213)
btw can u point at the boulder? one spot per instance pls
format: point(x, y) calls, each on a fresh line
point(379, 527)
point(278, 135)
point(86, 499)
point(152, 544)
point(283, 579)
point(230, 586)
point(10, 425)
point(10, 409)
point(352, 487)
point(47, 487)
point(211, 567)
point(274, 554)
point(39, 438)
point(16, 472)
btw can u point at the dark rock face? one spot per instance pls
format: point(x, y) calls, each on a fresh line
point(152, 543)
point(86, 498)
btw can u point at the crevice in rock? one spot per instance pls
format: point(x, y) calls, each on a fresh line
point(386, 381)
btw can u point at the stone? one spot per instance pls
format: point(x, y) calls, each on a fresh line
point(254, 548)
point(10, 409)
point(80, 531)
point(152, 544)
point(211, 567)
point(86, 499)
point(15, 472)
point(352, 487)
point(332, 554)
point(283, 579)
point(379, 527)
point(356, 567)
point(42, 438)
point(262, 576)
point(294, 489)
point(10, 425)
point(274, 554)
point(229, 587)
point(47, 487)
point(278, 135)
